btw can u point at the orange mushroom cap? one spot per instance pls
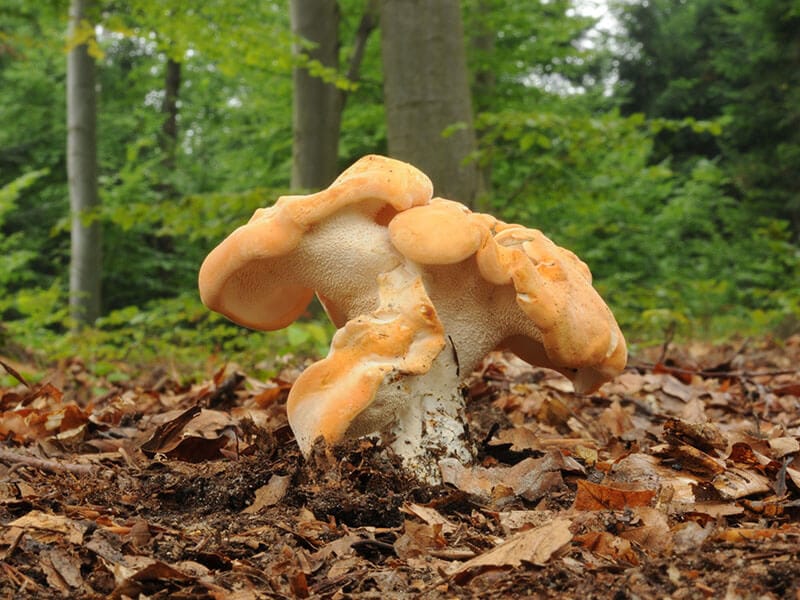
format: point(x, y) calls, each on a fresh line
point(239, 279)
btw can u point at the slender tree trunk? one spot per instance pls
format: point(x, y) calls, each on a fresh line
point(426, 88)
point(85, 258)
point(316, 110)
point(482, 39)
point(169, 128)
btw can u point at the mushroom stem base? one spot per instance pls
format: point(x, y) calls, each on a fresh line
point(430, 425)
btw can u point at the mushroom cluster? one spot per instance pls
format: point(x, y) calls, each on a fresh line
point(420, 289)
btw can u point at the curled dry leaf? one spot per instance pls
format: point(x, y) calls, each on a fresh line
point(737, 483)
point(593, 496)
point(609, 546)
point(429, 515)
point(530, 479)
point(45, 524)
point(270, 494)
point(535, 546)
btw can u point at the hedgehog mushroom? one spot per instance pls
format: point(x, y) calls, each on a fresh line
point(420, 289)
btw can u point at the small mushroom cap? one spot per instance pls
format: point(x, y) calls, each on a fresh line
point(439, 233)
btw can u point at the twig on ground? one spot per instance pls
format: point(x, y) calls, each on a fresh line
point(44, 464)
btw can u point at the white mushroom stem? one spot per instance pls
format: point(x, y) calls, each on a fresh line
point(430, 425)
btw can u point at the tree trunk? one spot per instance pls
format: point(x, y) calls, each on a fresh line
point(85, 258)
point(316, 110)
point(484, 83)
point(169, 128)
point(426, 88)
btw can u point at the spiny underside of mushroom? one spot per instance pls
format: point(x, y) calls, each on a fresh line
point(420, 289)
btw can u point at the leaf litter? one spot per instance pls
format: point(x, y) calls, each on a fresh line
point(680, 478)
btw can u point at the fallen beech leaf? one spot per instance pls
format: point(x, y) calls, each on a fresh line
point(743, 535)
point(515, 520)
point(418, 539)
point(133, 580)
point(677, 389)
point(716, 509)
point(14, 373)
point(792, 389)
point(67, 565)
point(42, 521)
point(608, 546)
point(521, 438)
point(689, 536)
point(168, 434)
point(593, 496)
point(794, 475)
point(704, 436)
point(195, 435)
point(530, 479)
point(340, 547)
point(616, 419)
point(652, 539)
point(737, 483)
point(429, 515)
point(270, 494)
point(784, 445)
point(688, 458)
point(534, 546)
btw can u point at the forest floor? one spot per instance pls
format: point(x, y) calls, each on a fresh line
point(679, 479)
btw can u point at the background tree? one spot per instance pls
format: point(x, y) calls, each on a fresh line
point(320, 88)
point(85, 269)
point(427, 95)
point(316, 107)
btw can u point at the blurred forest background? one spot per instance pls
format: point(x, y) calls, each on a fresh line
point(662, 145)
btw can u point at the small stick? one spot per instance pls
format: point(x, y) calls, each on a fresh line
point(44, 464)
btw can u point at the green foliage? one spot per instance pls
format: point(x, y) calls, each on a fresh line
point(663, 247)
point(178, 332)
point(684, 201)
point(734, 59)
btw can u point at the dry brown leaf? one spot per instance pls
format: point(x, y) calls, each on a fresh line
point(66, 565)
point(677, 389)
point(593, 496)
point(704, 436)
point(737, 483)
point(515, 520)
point(535, 546)
point(743, 534)
point(419, 539)
point(530, 479)
point(715, 509)
point(684, 457)
point(616, 419)
point(46, 522)
point(429, 515)
point(784, 445)
point(689, 536)
point(608, 546)
point(270, 494)
point(521, 438)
